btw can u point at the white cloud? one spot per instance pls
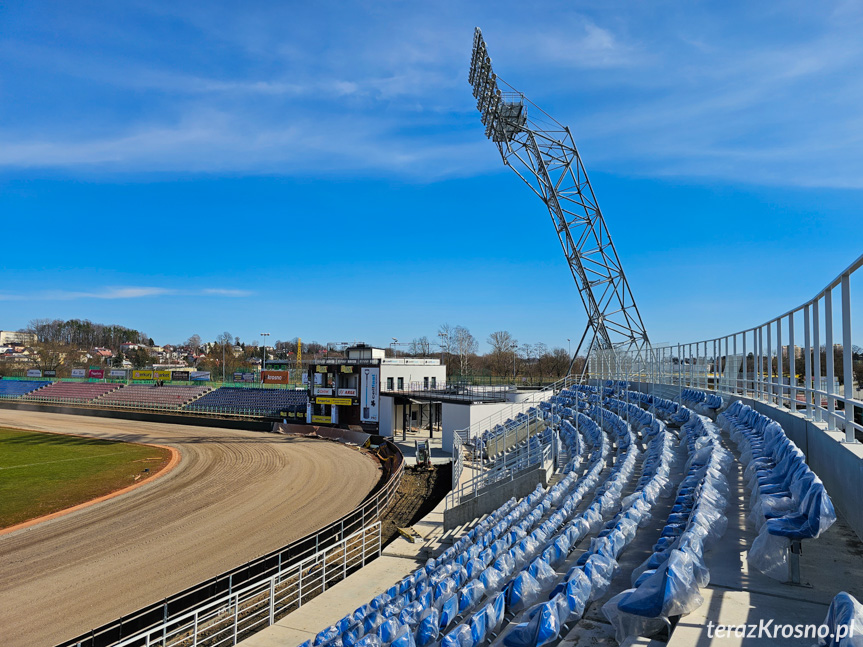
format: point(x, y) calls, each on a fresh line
point(124, 292)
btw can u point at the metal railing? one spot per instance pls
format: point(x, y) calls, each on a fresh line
point(162, 615)
point(795, 360)
point(499, 462)
point(231, 617)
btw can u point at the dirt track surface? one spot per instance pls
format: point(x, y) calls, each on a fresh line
point(234, 496)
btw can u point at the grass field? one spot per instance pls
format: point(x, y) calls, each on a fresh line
point(41, 473)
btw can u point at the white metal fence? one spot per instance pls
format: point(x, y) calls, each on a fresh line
point(233, 616)
point(800, 360)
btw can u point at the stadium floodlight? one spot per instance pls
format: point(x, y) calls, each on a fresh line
point(542, 152)
point(264, 351)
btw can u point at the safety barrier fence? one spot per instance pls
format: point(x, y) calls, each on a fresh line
point(798, 360)
point(231, 617)
point(161, 620)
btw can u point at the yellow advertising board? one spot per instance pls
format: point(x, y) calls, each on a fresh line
point(347, 369)
point(341, 401)
point(142, 375)
point(322, 419)
point(320, 369)
point(162, 375)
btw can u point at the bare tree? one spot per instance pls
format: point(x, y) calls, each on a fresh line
point(193, 342)
point(464, 345)
point(503, 348)
point(420, 347)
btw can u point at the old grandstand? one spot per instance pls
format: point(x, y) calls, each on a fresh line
point(275, 403)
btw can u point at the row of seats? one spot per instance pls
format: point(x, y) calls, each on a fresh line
point(153, 397)
point(667, 583)
point(504, 436)
point(591, 575)
point(844, 623)
point(701, 401)
point(73, 392)
point(10, 389)
point(788, 502)
point(249, 401)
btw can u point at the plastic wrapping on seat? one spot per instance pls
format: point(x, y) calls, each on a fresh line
point(470, 595)
point(326, 635)
point(403, 638)
point(542, 573)
point(845, 621)
point(769, 554)
point(428, 629)
point(458, 637)
point(818, 516)
point(370, 640)
point(492, 579)
point(494, 612)
point(577, 593)
point(670, 591)
point(523, 592)
point(388, 630)
point(448, 611)
point(600, 570)
point(542, 626)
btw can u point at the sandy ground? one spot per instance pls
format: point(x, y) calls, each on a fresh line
point(234, 496)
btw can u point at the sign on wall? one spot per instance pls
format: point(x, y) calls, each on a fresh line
point(352, 393)
point(34, 372)
point(370, 394)
point(180, 376)
point(142, 375)
point(323, 390)
point(275, 377)
point(333, 401)
point(49, 373)
point(117, 372)
point(97, 373)
point(200, 376)
point(162, 375)
point(79, 372)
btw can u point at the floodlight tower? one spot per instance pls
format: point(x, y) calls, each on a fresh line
point(542, 153)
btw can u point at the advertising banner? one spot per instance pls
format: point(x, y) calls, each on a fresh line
point(275, 377)
point(369, 394)
point(117, 372)
point(97, 373)
point(352, 393)
point(319, 379)
point(323, 390)
point(321, 419)
point(49, 373)
point(200, 376)
point(142, 375)
point(321, 368)
point(162, 375)
point(180, 376)
point(79, 372)
point(347, 369)
point(34, 372)
point(338, 401)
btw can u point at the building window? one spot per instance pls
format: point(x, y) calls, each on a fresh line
point(389, 384)
point(434, 382)
point(425, 383)
point(401, 384)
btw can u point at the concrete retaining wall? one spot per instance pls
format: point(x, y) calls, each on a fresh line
point(492, 497)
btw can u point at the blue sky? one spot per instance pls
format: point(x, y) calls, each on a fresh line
point(319, 169)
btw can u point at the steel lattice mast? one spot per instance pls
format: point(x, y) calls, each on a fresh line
point(542, 153)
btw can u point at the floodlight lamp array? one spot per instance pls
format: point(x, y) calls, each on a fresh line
point(501, 119)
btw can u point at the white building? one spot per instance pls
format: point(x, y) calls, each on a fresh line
point(13, 338)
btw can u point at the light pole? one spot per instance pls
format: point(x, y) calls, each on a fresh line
point(264, 354)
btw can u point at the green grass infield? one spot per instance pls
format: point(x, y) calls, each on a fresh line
point(42, 473)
